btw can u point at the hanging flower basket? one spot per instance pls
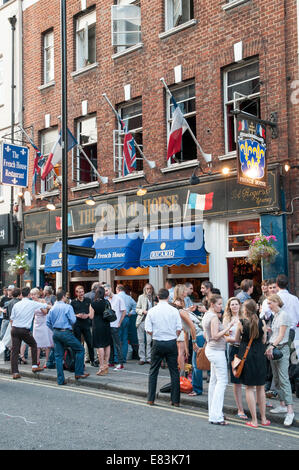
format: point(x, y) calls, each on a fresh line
point(262, 248)
point(18, 265)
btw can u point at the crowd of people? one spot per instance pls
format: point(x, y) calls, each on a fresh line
point(166, 329)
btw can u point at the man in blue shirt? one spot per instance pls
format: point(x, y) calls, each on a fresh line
point(246, 290)
point(130, 310)
point(60, 320)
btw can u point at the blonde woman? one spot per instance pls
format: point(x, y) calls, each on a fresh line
point(232, 313)
point(255, 368)
point(41, 333)
point(179, 295)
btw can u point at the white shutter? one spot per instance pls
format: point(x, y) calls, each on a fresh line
point(177, 11)
point(125, 25)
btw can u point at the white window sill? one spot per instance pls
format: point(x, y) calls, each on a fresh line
point(81, 187)
point(46, 85)
point(180, 166)
point(177, 29)
point(131, 176)
point(233, 4)
point(228, 155)
point(46, 194)
point(136, 47)
point(84, 69)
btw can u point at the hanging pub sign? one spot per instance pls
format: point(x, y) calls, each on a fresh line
point(251, 153)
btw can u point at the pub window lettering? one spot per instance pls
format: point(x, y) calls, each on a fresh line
point(86, 40)
point(178, 12)
point(131, 115)
point(241, 90)
point(87, 138)
point(185, 98)
point(125, 24)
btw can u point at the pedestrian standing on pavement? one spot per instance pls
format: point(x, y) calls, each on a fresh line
point(290, 304)
point(247, 289)
point(255, 368)
point(118, 305)
point(16, 297)
point(215, 332)
point(60, 320)
point(206, 291)
point(101, 331)
point(82, 326)
point(21, 320)
point(130, 310)
point(280, 327)
point(232, 312)
point(164, 324)
point(48, 295)
point(41, 333)
point(144, 303)
point(91, 295)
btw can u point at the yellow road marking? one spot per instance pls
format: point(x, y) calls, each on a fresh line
point(141, 402)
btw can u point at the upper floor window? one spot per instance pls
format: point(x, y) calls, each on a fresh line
point(1, 80)
point(178, 12)
point(87, 138)
point(240, 232)
point(241, 91)
point(131, 115)
point(126, 24)
point(48, 56)
point(86, 40)
point(185, 99)
point(48, 139)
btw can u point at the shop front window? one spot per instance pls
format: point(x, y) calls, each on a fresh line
point(240, 232)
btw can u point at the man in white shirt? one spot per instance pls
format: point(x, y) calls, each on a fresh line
point(21, 319)
point(266, 312)
point(163, 323)
point(119, 306)
point(290, 303)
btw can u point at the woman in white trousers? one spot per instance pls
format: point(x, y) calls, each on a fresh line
point(215, 333)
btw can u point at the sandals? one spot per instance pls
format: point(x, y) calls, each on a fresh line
point(242, 416)
point(193, 394)
point(267, 423)
point(251, 425)
point(220, 423)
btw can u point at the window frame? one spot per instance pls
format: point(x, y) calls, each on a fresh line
point(122, 48)
point(240, 253)
point(78, 30)
point(47, 185)
point(47, 50)
point(2, 94)
point(234, 102)
point(169, 12)
point(76, 156)
point(186, 115)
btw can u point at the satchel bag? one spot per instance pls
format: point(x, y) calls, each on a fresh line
point(202, 362)
point(238, 364)
point(109, 314)
point(185, 385)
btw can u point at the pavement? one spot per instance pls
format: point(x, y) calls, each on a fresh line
point(133, 380)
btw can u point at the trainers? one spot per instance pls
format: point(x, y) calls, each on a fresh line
point(289, 419)
point(118, 367)
point(279, 409)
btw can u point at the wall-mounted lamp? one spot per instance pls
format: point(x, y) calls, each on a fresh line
point(288, 167)
point(51, 206)
point(195, 179)
point(225, 170)
point(141, 191)
point(90, 201)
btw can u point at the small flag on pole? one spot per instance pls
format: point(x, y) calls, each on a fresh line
point(202, 202)
point(178, 127)
point(56, 154)
point(58, 220)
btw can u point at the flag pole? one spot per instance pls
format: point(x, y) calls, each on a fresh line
point(150, 163)
point(206, 156)
point(104, 179)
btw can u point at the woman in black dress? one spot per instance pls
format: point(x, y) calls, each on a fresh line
point(101, 333)
point(255, 369)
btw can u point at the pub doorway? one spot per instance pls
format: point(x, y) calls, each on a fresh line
point(239, 269)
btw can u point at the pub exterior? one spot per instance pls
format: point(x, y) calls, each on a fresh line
point(212, 68)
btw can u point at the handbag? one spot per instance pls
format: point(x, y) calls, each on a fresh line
point(109, 314)
point(185, 385)
point(277, 354)
point(202, 362)
point(237, 363)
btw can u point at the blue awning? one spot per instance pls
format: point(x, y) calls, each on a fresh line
point(117, 252)
point(53, 260)
point(174, 247)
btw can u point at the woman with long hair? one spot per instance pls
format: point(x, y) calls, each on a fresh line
point(144, 303)
point(255, 369)
point(232, 313)
point(214, 332)
point(101, 333)
point(179, 295)
point(41, 333)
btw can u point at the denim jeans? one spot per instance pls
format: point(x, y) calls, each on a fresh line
point(62, 340)
point(123, 335)
point(51, 364)
point(197, 373)
point(116, 356)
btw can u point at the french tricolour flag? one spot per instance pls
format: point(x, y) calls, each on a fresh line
point(201, 202)
point(178, 127)
point(56, 154)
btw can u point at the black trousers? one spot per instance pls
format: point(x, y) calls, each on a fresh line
point(83, 329)
point(164, 350)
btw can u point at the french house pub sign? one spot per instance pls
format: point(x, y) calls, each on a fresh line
point(251, 153)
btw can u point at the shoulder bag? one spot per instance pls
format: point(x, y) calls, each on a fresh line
point(109, 314)
point(237, 363)
point(202, 362)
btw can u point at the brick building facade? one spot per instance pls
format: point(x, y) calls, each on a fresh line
point(212, 55)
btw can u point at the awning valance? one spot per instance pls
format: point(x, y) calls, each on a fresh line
point(53, 260)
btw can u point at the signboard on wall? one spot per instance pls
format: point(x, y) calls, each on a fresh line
point(251, 153)
point(14, 165)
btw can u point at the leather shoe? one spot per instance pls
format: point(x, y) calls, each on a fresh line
point(37, 369)
point(151, 403)
point(16, 376)
point(64, 383)
point(175, 404)
point(81, 376)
